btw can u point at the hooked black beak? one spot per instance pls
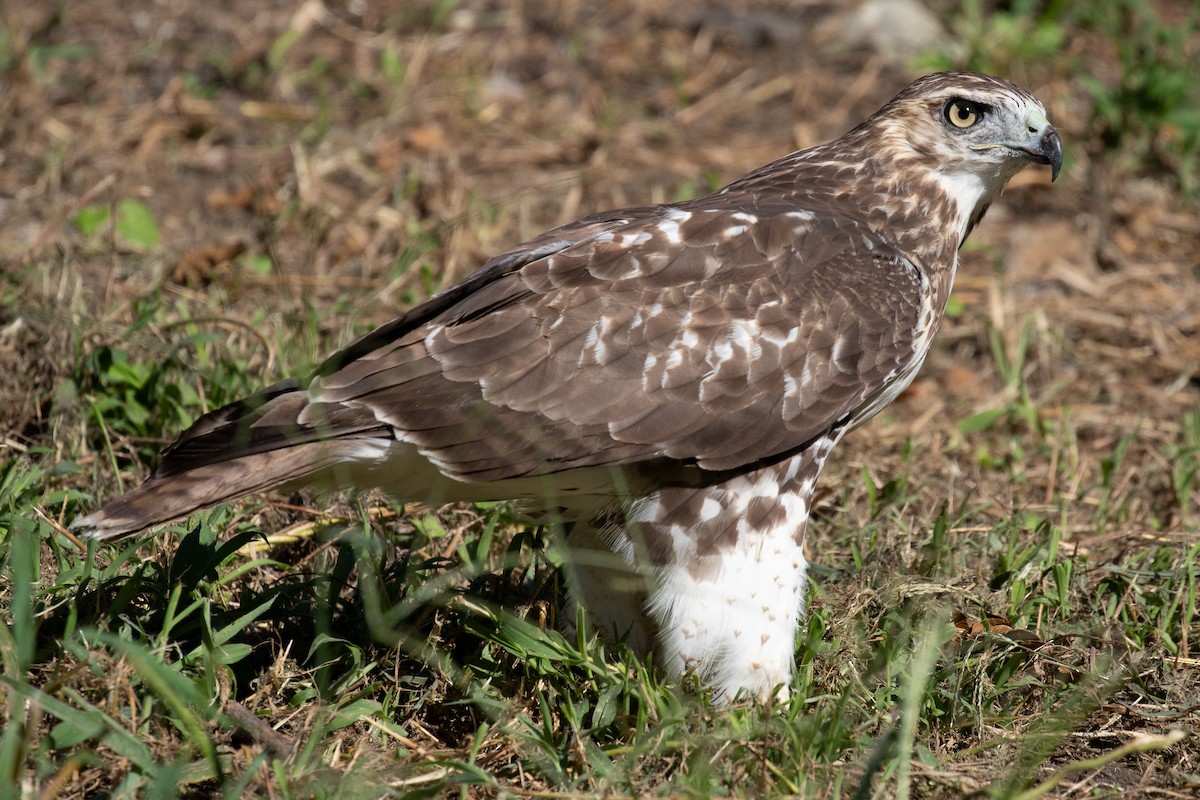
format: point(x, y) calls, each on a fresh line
point(1047, 150)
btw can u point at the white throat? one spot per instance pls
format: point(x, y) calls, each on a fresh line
point(970, 193)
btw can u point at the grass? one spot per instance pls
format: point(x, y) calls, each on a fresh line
point(1004, 564)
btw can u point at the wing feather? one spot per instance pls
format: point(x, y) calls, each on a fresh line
point(634, 336)
point(645, 340)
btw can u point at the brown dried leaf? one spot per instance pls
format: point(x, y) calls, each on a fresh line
point(207, 265)
point(428, 139)
point(221, 199)
point(974, 627)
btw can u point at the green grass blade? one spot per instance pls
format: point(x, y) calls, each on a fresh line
point(175, 691)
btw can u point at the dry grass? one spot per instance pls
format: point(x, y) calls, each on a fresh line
point(312, 170)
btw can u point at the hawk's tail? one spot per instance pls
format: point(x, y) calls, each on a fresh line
point(278, 436)
point(164, 499)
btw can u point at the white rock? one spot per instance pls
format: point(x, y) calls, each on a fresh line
point(896, 29)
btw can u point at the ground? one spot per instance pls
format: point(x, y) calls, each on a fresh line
point(197, 199)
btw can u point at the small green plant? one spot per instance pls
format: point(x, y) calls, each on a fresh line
point(135, 401)
point(1152, 113)
point(133, 223)
point(1017, 406)
point(392, 66)
point(1184, 458)
point(1003, 42)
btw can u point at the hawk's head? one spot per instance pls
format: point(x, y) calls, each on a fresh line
point(970, 123)
point(967, 133)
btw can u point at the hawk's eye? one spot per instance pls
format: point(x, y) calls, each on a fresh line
point(963, 113)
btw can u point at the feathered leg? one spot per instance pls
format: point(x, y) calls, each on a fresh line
point(729, 587)
point(603, 580)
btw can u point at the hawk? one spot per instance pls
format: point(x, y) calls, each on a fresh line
point(666, 381)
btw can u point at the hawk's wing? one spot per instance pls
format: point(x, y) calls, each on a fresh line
point(693, 333)
point(698, 334)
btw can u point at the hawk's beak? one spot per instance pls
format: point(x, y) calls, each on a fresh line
point(1046, 149)
point(1043, 145)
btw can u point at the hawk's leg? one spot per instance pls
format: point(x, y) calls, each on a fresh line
point(602, 579)
point(729, 580)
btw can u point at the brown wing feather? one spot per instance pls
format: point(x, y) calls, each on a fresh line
point(641, 341)
point(612, 341)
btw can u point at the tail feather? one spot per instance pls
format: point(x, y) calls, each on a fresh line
point(164, 499)
point(282, 416)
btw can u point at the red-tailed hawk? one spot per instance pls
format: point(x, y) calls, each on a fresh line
point(667, 381)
